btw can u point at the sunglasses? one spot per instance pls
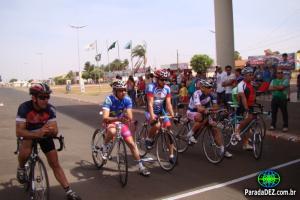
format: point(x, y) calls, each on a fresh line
point(43, 97)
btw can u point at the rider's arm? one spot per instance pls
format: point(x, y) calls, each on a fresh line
point(107, 118)
point(244, 100)
point(150, 100)
point(21, 131)
point(169, 106)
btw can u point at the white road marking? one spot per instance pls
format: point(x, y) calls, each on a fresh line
point(228, 182)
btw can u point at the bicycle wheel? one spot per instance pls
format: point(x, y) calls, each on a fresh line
point(180, 131)
point(140, 138)
point(213, 152)
point(164, 142)
point(96, 145)
point(122, 162)
point(257, 140)
point(227, 130)
point(261, 121)
point(39, 182)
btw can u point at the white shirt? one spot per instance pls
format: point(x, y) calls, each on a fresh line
point(228, 89)
point(220, 79)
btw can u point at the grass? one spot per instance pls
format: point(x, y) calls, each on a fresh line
point(91, 90)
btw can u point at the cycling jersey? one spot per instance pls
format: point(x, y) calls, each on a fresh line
point(200, 99)
point(248, 90)
point(159, 95)
point(35, 119)
point(115, 106)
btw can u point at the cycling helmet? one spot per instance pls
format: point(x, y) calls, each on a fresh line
point(247, 70)
point(118, 84)
point(39, 88)
point(161, 73)
point(205, 83)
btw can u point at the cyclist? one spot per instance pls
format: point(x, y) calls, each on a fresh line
point(118, 108)
point(246, 94)
point(37, 118)
point(201, 100)
point(158, 94)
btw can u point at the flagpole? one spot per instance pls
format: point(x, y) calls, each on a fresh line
point(118, 50)
point(108, 56)
point(131, 58)
point(98, 61)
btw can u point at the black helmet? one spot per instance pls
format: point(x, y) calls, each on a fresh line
point(39, 88)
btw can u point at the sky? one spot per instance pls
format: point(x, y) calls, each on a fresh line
point(36, 40)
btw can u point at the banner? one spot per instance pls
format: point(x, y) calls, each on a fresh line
point(271, 60)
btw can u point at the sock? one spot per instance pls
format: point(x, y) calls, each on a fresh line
point(149, 139)
point(172, 156)
point(190, 133)
point(140, 163)
point(68, 189)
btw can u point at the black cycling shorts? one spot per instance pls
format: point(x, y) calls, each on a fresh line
point(47, 145)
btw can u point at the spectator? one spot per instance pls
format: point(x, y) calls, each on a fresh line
point(191, 83)
point(131, 89)
point(220, 89)
point(286, 67)
point(279, 88)
point(183, 93)
point(298, 85)
point(228, 83)
point(175, 93)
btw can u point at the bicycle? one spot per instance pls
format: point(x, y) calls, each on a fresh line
point(36, 176)
point(163, 141)
point(210, 148)
point(98, 156)
point(230, 125)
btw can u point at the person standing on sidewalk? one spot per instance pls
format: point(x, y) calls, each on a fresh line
point(220, 77)
point(298, 86)
point(286, 68)
point(279, 88)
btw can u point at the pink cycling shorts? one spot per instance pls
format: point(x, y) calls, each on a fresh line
point(125, 131)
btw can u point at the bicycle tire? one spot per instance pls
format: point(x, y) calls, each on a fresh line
point(212, 151)
point(226, 130)
point(96, 145)
point(162, 151)
point(262, 122)
point(38, 174)
point(181, 131)
point(122, 162)
point(257, 141)
point(140, 138)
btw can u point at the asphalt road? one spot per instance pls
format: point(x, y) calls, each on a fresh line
point(77, 121)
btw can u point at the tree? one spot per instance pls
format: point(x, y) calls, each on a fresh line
point(298, 51)
point(139, 52)
point(71, 76)
point(59, 80)
point(200, 62)
point(237, 55)
point(13, 80)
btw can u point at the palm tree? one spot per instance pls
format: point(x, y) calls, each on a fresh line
point(139, 51)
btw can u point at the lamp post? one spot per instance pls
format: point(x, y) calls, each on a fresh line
point(81, 83)
point(42, 67)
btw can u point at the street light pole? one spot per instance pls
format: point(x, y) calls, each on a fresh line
point(81, 83)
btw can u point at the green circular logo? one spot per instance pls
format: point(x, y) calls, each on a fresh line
point(268, 179)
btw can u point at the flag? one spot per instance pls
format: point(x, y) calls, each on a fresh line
point(113, 45)
point(98, 57)
point(128, 45)
point(91, 46)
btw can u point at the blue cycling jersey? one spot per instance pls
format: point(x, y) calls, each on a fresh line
point(159, 95)
point(115, 106)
